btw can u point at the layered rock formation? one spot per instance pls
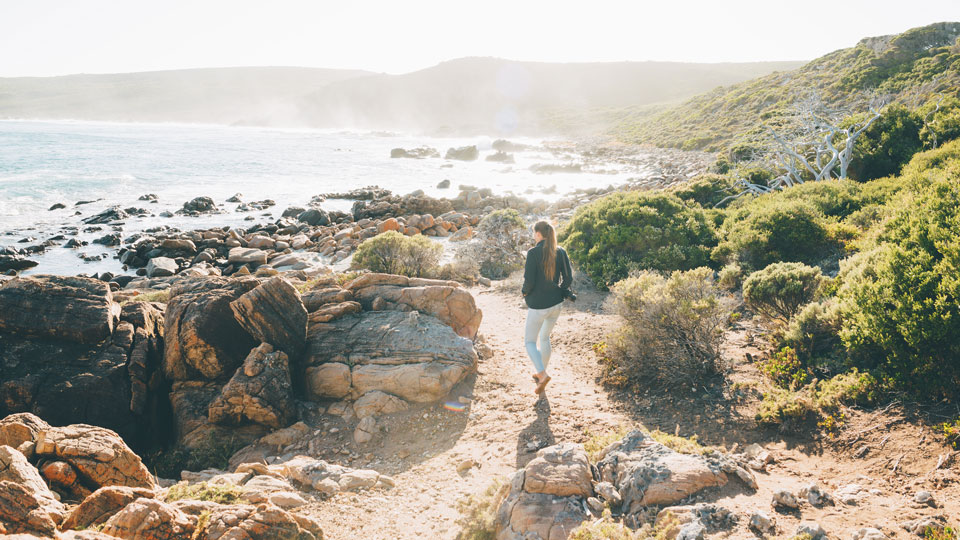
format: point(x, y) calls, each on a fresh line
point(72, 354)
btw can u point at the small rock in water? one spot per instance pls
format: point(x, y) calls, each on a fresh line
point(57, 206)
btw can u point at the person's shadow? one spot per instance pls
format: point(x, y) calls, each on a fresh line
point(537, 435)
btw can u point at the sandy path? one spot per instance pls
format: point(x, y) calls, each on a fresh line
point(504, 425)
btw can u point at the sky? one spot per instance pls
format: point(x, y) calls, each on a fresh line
point(57, 37)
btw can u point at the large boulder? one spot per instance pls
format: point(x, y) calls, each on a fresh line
point(463, 153)
point(546, 499)
point(190, 402)
point(259, 392)
point(317, 298)
point(75, 309)
point(21, 431)
point(410, 355)
point(203, 340)
point(445, 300)
point(273, 313)
point(103, 503)
point(647, 473)
point(78, 381)
point(150, 519)
point(99, 455)
point(26, 503)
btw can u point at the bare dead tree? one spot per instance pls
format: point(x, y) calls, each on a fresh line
point(812, 146)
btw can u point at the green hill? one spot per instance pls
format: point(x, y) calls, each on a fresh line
point(907, 67)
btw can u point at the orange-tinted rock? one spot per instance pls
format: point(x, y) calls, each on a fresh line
point(26, 503)
point(150, 519)
point(99, 455)
point(262, 522)
point(330, 312)
point(103, 503)
point(20, 428)
point(259, 392)
point(317, 298)
point(390, 224)
point(273, 313)
point(64, 478)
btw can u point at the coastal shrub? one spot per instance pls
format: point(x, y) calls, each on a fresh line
point(789, 408)
point(394, 253)
point(597, 442)
point(781, 289)
point(941, 123)
point(850, 387)
point(768, 230)
point(671, 328)
point(478, 512)
point(814, 333)
point(886, 145)
point(222, 494)
point(834, 198)
point(607, 528)
point(500, 244)
point(900, 301)
point(785, 369)
point(730, 277)
point(705, 190)
point(462, 269)
point(628, 231)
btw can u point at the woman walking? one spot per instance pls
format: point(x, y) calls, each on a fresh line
point(547, 277)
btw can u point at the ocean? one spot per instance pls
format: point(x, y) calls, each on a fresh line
point(46, 162)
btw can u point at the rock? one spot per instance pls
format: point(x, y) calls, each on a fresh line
point(150, 519)
point(763, 523)
point(811, 528)
point(161, 266)
point(376, 403)
point(815, 495)
point(922, 525)
point(444, 300)
point(461, 235)
point(57, 206)
point(415, 153)
point(501, 157)
point(263, 522)
point(463, 153)
point(200, 205)
point(390, 224)
point(595, 505)
point(647, 473)
point(190, 401)
point(26, 503)
point(15, 262)
point(286, 436)
point(409, 355)
point(849, 494)
point(114, 213)
point(259, 392)
point(20, 431)
point(242, 255)
point(99, 455)
point(330, 312)
point(692, 531)
point(444, 184)
point(236, 198)
point(103, 503)
point(75, 309)
point(259, 488)
point(179, 244)
point(523, 515)
point(786, 499)
point(330, 380)
point(466, 465)
point(314, 217)
point(261, 242)
point(366, 430)
point(203, 341)
point(609, 493)
point(869, 533)
point(315, 299)
point(273, 313)
point(924, 497)
point(63, 478)
point(560, 470)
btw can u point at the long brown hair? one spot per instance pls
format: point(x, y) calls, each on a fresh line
point(549, 248)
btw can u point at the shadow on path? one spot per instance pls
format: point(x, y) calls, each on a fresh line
point(537, 435)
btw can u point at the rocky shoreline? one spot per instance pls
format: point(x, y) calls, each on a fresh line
point(309, 236)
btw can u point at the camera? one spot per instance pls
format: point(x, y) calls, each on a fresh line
point(569, 295)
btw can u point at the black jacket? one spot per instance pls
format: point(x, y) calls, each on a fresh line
point(537, 291)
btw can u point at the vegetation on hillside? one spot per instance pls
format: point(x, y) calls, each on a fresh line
point(914, 68)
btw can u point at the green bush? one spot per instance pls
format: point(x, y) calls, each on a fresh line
point(671, 331)
point(478, 512)
point(901, 301)
point(887, 144)
point(785, 369)
point(781, 289)
point(814, 333)
point(940, 126)
point(706, 190)
point(626, 231)
point(768, 229)
point(730, 277)
point(394, 253)
point(223, 494)
point(850, 387)
point(834, 198)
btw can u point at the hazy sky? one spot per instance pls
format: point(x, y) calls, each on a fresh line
point(54, 37)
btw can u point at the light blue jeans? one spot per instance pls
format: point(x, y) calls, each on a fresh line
point(539, 324)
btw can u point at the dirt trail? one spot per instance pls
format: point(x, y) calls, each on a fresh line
point(504, 425)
